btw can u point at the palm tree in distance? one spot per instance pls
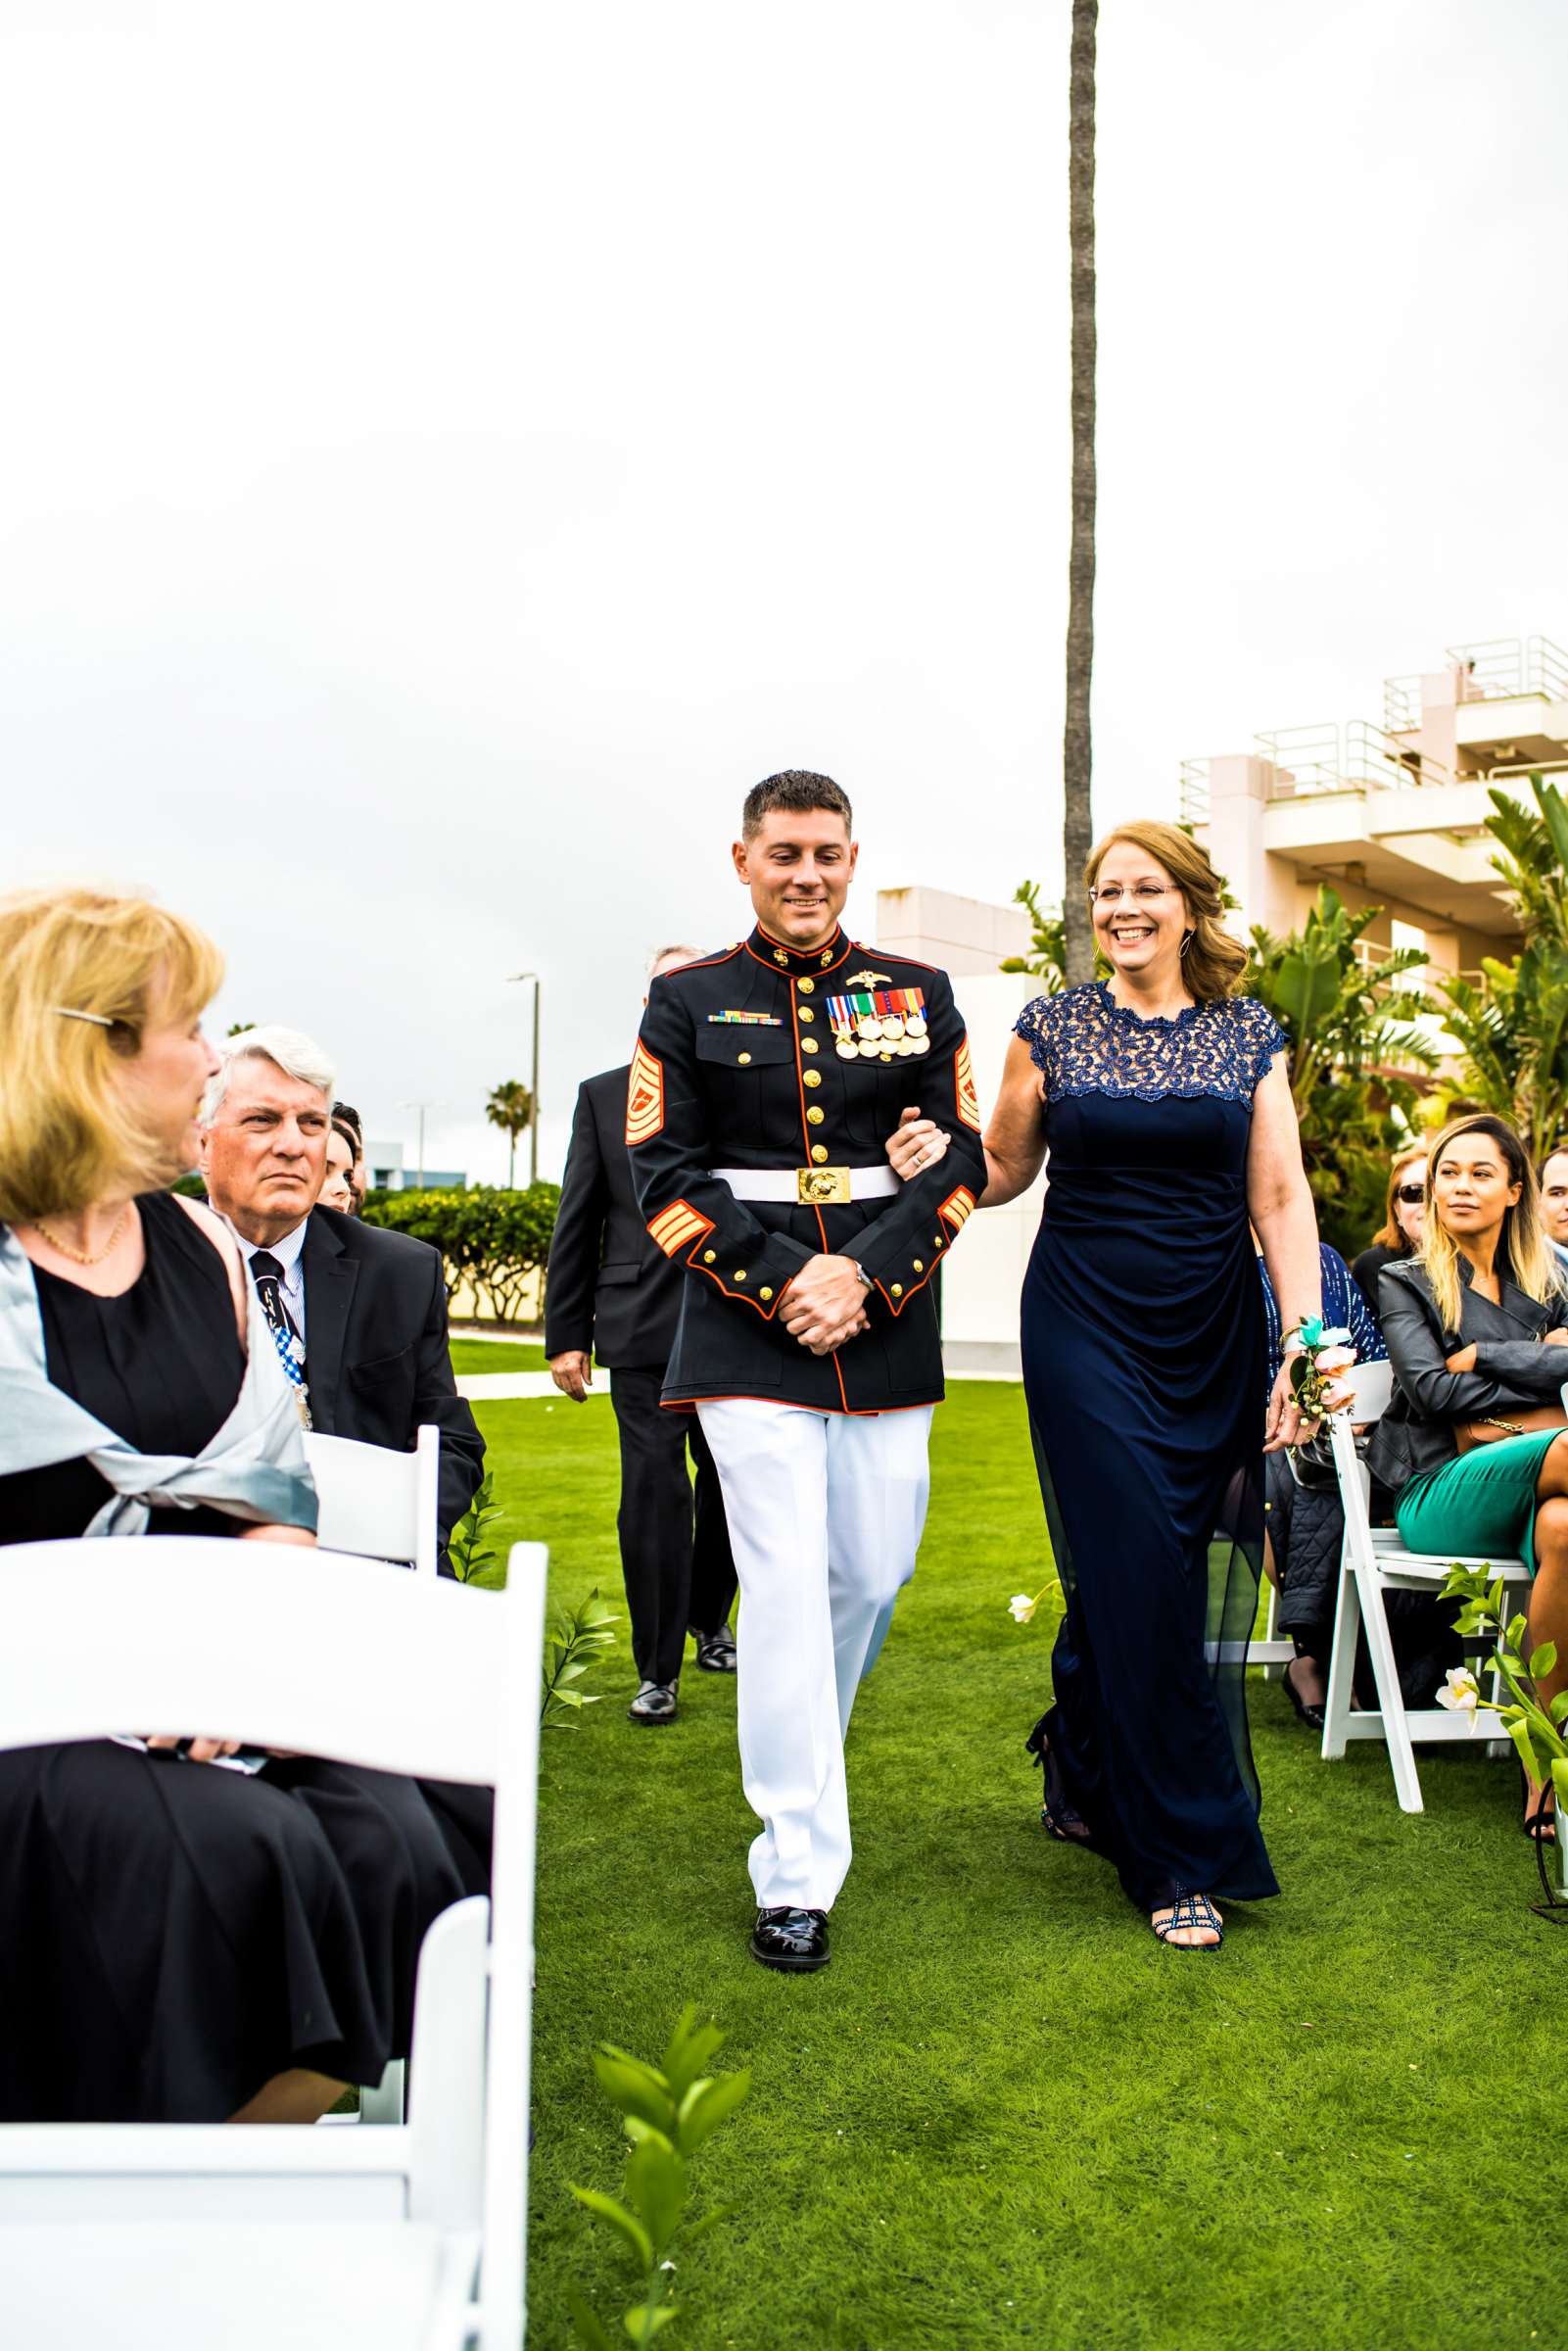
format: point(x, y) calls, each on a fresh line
point(510, 1107)
point(1078, 822)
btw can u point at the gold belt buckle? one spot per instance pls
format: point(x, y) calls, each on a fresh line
point(823, 1187)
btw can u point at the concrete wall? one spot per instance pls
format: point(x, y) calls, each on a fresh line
point(962, 934)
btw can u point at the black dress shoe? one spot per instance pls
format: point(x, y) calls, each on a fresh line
point(654, 1703)
point(716, 1651)
point(794, 1940)
point(1311, 1715)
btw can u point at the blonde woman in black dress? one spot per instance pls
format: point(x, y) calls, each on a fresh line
point(177, 1941)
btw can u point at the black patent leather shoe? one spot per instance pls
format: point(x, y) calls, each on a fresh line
point(654, 1703)
point(795, 1941)
point(716, 1651)
point(1313, 1716)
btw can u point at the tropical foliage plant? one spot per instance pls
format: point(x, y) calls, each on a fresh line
point(575, 1639)
point(1354, 1048)
point(492, 1238)
point(669, 2112)
point(1535, 1724)
point(510, 1107)
point(1047, 958)
point(1511, 1025)
point(468, 1548)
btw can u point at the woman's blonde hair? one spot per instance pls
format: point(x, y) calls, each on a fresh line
point(1524, 1254)
point(1213, 961)
point(68, 1132)
point(1391, 1233)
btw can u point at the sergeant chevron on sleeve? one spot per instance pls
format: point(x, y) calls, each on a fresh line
point(764, 1081)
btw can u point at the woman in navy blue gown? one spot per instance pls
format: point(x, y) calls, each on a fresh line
point(1165, 1103)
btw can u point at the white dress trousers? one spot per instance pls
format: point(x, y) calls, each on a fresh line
point(826, 1513)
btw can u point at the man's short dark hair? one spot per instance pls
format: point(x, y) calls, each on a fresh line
point(346, 1116)
point(794, 790)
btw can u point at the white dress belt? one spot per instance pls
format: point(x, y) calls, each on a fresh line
point(783, 1184)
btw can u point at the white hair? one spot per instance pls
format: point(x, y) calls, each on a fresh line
point(672, 955)
point(296, 1055)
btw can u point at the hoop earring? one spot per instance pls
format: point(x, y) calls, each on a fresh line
point(1186, 942)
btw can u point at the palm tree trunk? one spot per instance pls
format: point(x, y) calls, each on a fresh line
point(512, 1159)
point(1078, 822)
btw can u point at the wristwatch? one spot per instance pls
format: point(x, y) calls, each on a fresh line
point(866, 1278)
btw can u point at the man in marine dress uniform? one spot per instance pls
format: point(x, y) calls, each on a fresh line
point(611, 1293)
point(764, 1081)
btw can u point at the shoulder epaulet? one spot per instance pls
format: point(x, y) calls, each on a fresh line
point(704, 963)
point(896, 955)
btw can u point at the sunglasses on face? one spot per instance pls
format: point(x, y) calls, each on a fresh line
point(1410, 1194)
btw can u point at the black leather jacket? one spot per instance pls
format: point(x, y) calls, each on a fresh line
point(1512, 1366)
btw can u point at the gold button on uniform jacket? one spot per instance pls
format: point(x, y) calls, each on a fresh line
point(765, 1058)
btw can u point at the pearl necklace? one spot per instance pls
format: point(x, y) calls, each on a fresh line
point(80, 1257)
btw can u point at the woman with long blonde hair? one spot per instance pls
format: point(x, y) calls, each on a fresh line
point(1473, 1445)
point(178, 1941)
point(1164, 1101)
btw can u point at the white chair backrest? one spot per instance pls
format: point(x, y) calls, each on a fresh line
point(183, 1631)
point(376, 1503)
point(1372, 1386)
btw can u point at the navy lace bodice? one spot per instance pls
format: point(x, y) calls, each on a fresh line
point(1084, 1042)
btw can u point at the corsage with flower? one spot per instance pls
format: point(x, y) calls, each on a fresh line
point(1314, 1372)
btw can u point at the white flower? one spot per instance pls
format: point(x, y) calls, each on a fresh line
point(1462, 1692)
point(1022, 1608)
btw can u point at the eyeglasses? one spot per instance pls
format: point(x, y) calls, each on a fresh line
point(1143, 895)
point(1409, 1193)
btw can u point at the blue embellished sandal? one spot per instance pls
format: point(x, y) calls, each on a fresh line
point(1191, 1911)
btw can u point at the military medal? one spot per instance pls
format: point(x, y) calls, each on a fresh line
point(916, 1025)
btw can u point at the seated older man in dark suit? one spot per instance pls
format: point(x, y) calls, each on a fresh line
point(358, 1315)
point(613, 1293)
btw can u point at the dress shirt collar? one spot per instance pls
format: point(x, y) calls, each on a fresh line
point(286, 1251)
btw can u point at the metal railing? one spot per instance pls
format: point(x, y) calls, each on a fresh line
point(1403, 703)
point(1354, 757)
point(1493, 671)
point(1499, 667)
point(1194, 800)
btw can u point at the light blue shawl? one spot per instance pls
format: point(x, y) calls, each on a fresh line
point(254, 1466)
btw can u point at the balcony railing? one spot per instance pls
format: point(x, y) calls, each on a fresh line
point(1194, 800)
point(1354, 757)
point(1493, 670)
point(1502, 667)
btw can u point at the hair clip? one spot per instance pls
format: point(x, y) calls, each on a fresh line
point(100, 1020)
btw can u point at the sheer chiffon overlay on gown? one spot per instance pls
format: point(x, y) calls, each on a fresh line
point(172, 1933)
point(1144, 1363)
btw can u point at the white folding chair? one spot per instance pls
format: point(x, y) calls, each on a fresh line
point(1375, 1561)
point(278, 2237)
point(376, 1502)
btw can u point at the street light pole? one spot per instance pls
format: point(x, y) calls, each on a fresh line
point(533, 1082)
point(421, 1108)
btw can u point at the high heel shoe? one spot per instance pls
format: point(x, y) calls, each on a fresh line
point(1311, 1715)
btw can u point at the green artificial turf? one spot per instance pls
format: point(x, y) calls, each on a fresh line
point(496, 1355)
point(1005, 2115)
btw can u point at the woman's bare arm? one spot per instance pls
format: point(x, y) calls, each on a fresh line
point(1015, 1134)
point(1015, 1139)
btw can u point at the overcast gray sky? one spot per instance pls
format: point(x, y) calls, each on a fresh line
point(446, 455)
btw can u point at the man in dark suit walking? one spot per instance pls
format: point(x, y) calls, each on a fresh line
point(358, 1315)
point(612, 1293)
